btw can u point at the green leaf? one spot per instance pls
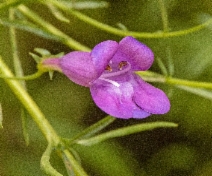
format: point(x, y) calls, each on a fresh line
point(45, 163)
point(58, 15)
point(126, 131)
point(44, 54)
point(24, 126)
point(42, 51)
point(122, 26)
point(67, 162)
point(9, 3)
point(86, 4)
point(35, 57)
point(198, 91)
point(29, 27)
point(162, 66)
point(51, 74)
point(95, 128)
point(170, 61)
point(1, 116)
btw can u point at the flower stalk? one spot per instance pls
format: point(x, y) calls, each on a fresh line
point(155, 77)
point(64, 38)
point(116, 31)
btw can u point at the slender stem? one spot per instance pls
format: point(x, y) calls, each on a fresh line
point(155, 77)
point(93, 129)
point(1, 117)
point(125, 131)
point(176, 81)
point(52, 29)
point(8, 4)
point(119, 32)
point(28, 77)
point(165, 22)
point(76, 167)
point(164, 16)
point(16, 59)
point(32, 108)
point(18, 71)
point(29, 104)
point(45, 162)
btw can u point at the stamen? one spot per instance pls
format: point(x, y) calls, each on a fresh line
point(109, 68)
point(122, 64)
point(118, 72)
point(110, 81)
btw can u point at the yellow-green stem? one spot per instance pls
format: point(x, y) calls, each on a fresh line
point(119, 32)
point(29, 104)
point(64, 38)
point(164, 16)
point(32, 108)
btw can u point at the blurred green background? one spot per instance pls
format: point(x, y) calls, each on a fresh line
point(69, 108)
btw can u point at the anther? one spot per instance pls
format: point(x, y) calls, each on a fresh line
point(122, 64)
point(108, 68)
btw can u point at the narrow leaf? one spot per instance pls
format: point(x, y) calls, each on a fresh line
point(86, 4)
point(67, 162)
point(42, 51)
point(1, 116)
point(51, 74)
point(95, 128)
point(35, 57)
point(162, 66)
point(10, 3)
point(25, 126)
point(27, 26)
point(57, 13)
point(126, 131)
point(170, 61)
point(122, 26)
point(45, 163)
point(198, 91)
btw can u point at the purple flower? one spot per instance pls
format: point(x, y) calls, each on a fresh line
point(108, 71)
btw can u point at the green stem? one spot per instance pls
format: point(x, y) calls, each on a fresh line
point(125, 131)
point(45, 162)
point(164, 16)
point(53, 30)
point(8, 4)
point(32, 108)
point(29, 104)
point(26, 78)
point(176, 81)
point(91, 130)
point(13, 41)
point(18, 72)
point(119, 32)
point(76, 167)
point(155, 77)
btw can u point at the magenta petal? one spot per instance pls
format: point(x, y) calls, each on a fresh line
point(79, 68)
point(150, 98)
point(102, 54)
point(136, 53)
point(116, 101)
